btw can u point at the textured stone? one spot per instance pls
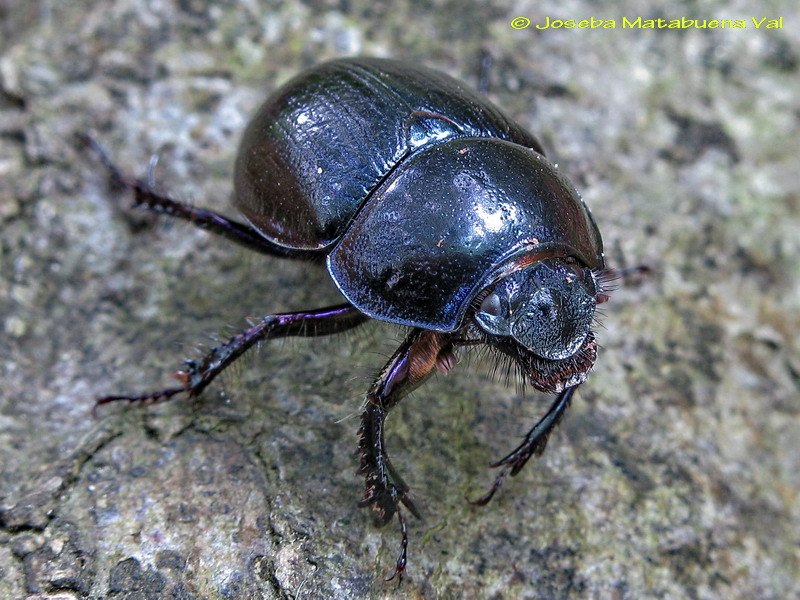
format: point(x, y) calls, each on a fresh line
point(675, 474)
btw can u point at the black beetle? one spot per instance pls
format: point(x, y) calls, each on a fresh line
point(431, 209)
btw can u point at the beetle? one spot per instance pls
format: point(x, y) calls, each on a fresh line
point(429, 208)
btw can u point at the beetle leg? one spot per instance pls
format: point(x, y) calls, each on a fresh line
point(533, 444)
point(198, 374)
point(400, 565)
point(145, 196)
point(484, 72)
point(418, 357)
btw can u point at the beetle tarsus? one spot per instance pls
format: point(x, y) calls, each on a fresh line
point(643, 269)
point(142, 399)
point(197, 375)
point(608, 278)
point(90, 142)
point(534, 444)
point(487, 497)
point(400, 565)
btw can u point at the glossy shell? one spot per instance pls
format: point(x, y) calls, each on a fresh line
point(449, 222)
point(320, 145)
point(420, 192)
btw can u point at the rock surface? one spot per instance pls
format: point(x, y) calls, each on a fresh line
point(675, 475)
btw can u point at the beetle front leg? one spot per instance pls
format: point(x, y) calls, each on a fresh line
point(533, 444)
point(420, 355)
point(198, 374)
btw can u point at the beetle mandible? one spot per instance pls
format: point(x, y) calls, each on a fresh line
point(431, 209)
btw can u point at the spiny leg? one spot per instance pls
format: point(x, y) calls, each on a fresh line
point(147, 197)
point(419, 356)
point(198, 374)
point(533, 444)
point(400, 566)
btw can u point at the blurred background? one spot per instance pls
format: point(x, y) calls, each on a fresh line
point(675, 473)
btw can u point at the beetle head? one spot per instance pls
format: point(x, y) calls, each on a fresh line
point(547, 307)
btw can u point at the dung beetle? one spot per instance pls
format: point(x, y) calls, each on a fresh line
point(431, 209)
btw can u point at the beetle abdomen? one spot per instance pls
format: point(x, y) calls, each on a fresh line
point(321, 144)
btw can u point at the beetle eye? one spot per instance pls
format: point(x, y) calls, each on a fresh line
point(493, 314)
point(491, 305)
